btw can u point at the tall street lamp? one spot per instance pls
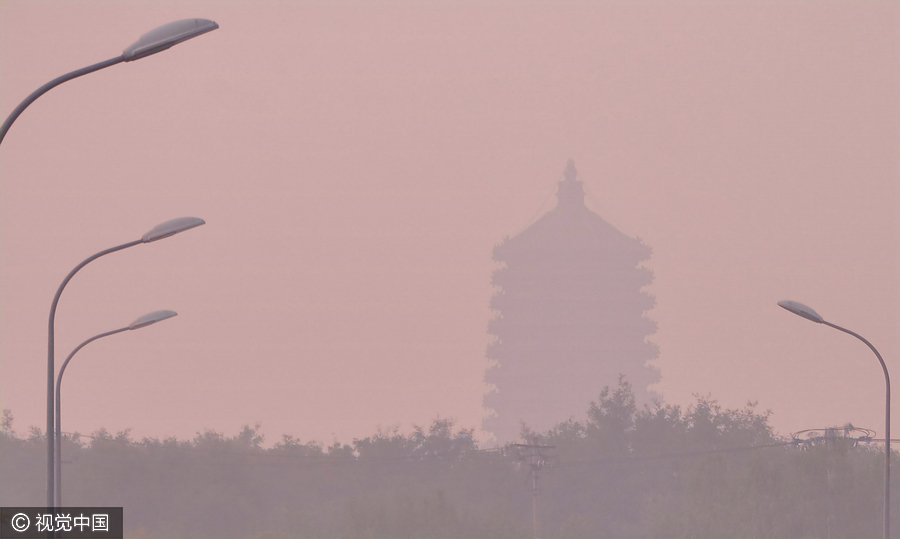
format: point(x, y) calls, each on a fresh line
point(802, 310)
point(152, 42)
point(164, 230)
point(142, 322)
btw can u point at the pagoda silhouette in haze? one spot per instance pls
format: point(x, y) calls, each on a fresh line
point(569, 317)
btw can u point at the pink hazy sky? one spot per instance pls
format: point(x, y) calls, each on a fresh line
point(356, 162)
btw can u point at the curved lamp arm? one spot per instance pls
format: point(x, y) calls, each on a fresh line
point(152, 42)
point(887, 377)
point(53, 83)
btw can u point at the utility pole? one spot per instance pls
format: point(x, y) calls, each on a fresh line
point(831, 435)
point(536, 461)
point(832, 438)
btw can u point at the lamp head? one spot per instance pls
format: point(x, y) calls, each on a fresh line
point(152, 318)
point(801, 310)
point(170, 228)
point(167, 35)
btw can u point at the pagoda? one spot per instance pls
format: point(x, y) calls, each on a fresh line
point(570, 317)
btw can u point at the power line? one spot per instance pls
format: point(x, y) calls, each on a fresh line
point(686, 454)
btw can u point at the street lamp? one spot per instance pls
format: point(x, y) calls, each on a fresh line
point(163, 230)
point(802, 310)
point(144, 321)
point(152, 42)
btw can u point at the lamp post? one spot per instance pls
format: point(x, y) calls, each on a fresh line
point(142, 322)
point(152, 42)
point(163, 230)
point(802, 310)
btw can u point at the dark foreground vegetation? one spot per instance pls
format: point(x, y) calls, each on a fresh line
point(703, 472)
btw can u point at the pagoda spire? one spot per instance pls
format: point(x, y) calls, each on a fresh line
point(571, 191)
point(570, 173)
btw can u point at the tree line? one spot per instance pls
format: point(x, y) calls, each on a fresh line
point(657, 471)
